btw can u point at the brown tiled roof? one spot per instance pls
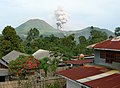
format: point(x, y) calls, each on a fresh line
point(79, 61)
point(112, 81)
point(81, 72)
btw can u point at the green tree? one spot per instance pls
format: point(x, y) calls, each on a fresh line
point(17, 65)
point(110, 37)
point(97, 36)
point(117, 31)
point(32, 41)
point(68, 41)
point(32, 34)
point(54, 65)
point(1, 52)
point(10, 41)
point(44, 64)
point(82, 39)
point(81, 48)
point(91, 27)
point(22, 64)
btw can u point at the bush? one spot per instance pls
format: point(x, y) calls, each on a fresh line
point(55, 85)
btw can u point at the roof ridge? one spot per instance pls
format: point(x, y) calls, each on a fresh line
point(98, 76)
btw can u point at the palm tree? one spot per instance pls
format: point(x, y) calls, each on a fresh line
point(53, 65)
point(44, 65)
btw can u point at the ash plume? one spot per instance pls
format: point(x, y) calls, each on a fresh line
point(61, 17)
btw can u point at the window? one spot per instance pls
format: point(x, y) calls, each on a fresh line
point(83, 87)
point(108, 61)
point(117, 57)
point(103, 54)
point(110, 56)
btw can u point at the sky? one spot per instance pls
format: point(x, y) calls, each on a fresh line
point(82, 13)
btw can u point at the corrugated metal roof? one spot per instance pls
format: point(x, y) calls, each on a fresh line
point(95, 77)
point(79, 61)
point(108, 45)
point(3, 63)
point(81, 72)
point(41, 54)
point(12, 56)
point(112, 81)
point(87, 79)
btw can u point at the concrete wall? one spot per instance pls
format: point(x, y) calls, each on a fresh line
point(3, 72)
point(73, 84)
point(101, 61)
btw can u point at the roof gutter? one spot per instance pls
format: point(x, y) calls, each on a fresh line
point(75, 81)
point(106, 49)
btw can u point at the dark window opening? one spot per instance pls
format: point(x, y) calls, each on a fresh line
point(110, 56)
point(2, 78)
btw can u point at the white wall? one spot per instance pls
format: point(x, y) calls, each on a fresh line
point(73, 84)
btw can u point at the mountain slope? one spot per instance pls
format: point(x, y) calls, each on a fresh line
point(86, 32)
point(43, 27)
point(46, 30)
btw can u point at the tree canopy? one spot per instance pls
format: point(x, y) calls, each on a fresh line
point(82, 39)
point(65, 46)
point(44, 64)
point(32, 34)
point(97, 36)
point(10, 41)
point(117, 31)
point(22, 64)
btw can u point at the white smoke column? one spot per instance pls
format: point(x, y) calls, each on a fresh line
point(61, 17)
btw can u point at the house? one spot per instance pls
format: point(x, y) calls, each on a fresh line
point(4, 62)
point(39, 54)
point(75, 63)
point(107, 53)
point(111, 81)
point(3, 74)
point(11, 56)
point(90, 77)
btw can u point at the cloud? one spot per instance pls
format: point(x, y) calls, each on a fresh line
point(101, 13)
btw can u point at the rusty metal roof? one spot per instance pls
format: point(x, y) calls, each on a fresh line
point(95, 77)
point(79, 61)
point(112, 81)
point(81, 72)
point(108, 45)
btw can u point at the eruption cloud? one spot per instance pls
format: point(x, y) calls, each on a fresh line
point(61, 17)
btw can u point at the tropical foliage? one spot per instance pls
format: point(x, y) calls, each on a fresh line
point(10, 41)
point(23, 64)
point(49, 65)
point(117, 31)
point(64, 47)
point(45, 64)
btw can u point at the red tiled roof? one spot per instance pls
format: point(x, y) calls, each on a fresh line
point(112, 81)
point(108, 44)
point(81, 72)
point(79, 61)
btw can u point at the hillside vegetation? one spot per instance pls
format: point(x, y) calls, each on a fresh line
point(65, 47)
point(46, 30)
point(40, 35)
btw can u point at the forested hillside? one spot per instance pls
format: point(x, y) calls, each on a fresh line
point(46, 30)
point(66, 46)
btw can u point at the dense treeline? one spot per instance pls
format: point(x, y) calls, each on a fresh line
point(67, 46)
point(10, 41)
